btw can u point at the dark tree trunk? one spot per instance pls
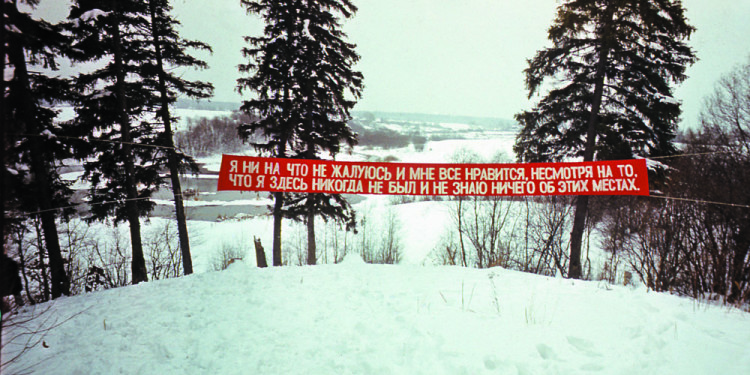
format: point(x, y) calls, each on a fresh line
point(278, 212)
point(461, 231)
point(40, 173)
point(42, 267)
point(138, 265)
point(575, 270)
point(3, 178)
point(59, 279)
point(311, 248)
point(172, 160)
point(310, 220)
point(277, 216)
point(3, 47)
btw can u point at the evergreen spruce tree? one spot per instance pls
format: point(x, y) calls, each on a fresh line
point(170, 52)
point(32, 148)
point(112, 113)
point(325, 75)
point(271, 60)
point(614, 63)
point(303, 72)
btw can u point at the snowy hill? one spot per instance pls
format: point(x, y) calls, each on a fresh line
point(354, 318)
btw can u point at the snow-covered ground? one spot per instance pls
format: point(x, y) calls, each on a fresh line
point(442, 151)
point(68, 113)
point(354, 318)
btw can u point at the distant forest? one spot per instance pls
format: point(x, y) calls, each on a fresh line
point(484, 123)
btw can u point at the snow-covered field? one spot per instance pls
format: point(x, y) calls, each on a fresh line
point(68, 113)
point(355, 318)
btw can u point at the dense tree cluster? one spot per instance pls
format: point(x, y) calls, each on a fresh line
point(31, 144)
point(123, 130)
point(121, 133)
point(697, 248)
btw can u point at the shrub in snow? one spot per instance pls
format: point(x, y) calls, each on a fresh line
point(226, 255)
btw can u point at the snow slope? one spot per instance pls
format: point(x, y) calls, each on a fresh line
point(354, 318)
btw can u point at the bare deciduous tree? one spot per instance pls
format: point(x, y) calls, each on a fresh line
point(697, 248)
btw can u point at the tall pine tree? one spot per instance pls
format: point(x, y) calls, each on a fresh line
point(303, 72)
point(324, 75)
point(32, 147)
point(613, 63)
point(113, 113)
point(271, 60)
point(169, 52)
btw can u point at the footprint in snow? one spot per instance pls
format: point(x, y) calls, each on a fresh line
point(545, 352)
point(584, 346)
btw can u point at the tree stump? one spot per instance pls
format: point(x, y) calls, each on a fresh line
point(260, 254)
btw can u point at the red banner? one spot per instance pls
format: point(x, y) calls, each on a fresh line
point(247, 173)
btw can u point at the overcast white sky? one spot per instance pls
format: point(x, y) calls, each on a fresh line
point(462, 57)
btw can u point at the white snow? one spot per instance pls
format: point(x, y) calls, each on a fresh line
point(68, 113)
point(75, 178)
point(441, 151)
point(353, 260)
point(93, 14)
point(9, 73)
point(654, 165)
point(306, 30)
point(13, 29)
point(455, 126)
point(199, 175)
point(199, 203)
point(101, 94)
point(185, 113)
point(354, 318)
point(212, 163)
point(89, 16)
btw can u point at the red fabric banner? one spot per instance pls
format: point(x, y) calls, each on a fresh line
point(247, 173)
